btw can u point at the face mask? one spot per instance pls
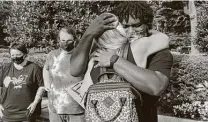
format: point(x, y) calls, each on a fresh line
point(18, 60)
point(67, 47)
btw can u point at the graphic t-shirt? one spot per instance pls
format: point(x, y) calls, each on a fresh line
point(22, 87)
point(60, 101)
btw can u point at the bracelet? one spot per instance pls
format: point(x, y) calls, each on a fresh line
point(113, 60)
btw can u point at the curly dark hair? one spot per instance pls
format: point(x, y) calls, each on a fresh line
point(137, 9)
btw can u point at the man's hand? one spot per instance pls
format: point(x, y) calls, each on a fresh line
point(103, 58)
point(1, 109)
point(102, 23)
point(31, 108)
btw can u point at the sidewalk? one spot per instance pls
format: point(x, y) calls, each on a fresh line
point(162, 118)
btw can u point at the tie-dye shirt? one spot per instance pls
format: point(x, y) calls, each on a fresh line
point(58, 65)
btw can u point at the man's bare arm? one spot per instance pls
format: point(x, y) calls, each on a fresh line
point(80, 55)
point(145, 80)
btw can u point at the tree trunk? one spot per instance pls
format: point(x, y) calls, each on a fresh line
point(193, 20)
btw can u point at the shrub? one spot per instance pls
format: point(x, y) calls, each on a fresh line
point(39, 59)
point(188, 87)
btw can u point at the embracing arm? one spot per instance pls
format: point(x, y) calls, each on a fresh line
point(157, 41)
point(152, 81)
point(80, 55)
point(146, 46)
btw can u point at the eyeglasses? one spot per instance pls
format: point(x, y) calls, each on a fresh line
point(133, 25)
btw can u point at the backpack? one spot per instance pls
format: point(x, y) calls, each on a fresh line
point(112, 99)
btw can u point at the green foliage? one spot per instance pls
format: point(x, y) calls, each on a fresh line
point(5, 7)
point(202, 31)
point(188, 85)
point(171, 17)
point(36, 23)
point(179, 40)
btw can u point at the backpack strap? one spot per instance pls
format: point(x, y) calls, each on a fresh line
point(125, 50)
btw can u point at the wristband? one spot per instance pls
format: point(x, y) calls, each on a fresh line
point(113, 60)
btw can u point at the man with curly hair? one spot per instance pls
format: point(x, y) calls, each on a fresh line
point(136, 18)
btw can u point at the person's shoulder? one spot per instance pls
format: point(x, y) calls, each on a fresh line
point(54, 52)
point(163, 53)
point(34, 65)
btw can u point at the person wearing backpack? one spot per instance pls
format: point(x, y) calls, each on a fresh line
point(150, 81)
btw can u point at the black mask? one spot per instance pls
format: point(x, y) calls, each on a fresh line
point(18, 60)
point(67, 47)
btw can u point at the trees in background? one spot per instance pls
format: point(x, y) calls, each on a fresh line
point(171, 19)
point(5, 7)
point(202, 26)
point(37, 22)
point(193, 20)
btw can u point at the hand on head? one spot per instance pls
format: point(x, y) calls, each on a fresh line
point(103, 22)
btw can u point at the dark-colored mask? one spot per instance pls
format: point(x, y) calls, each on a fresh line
point(67, 47)
point(18, 60)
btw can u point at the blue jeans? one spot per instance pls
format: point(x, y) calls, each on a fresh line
point(53, 117)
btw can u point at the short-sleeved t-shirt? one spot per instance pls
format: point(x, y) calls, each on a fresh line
point(22, 87)
point(160, 61)
point(58, 66)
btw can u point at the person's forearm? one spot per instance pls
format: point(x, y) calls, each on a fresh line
point(143, 79)
point(39, 94)
point(46, 78)
point(80, 55)
point(0, 90)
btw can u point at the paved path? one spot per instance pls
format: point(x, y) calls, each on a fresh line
point(162, 118)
